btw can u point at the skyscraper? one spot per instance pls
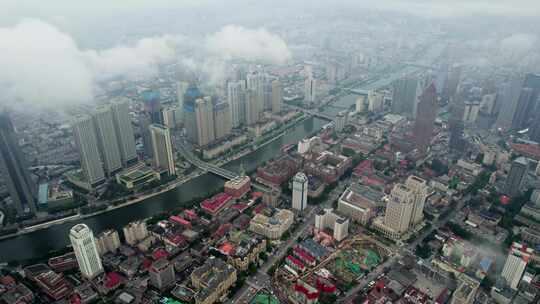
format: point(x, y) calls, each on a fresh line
point(204, 111)
point(300, 191)
point(162, 146)
point(517, 260)
point(508, 97)
point(84, 246)
point(253, 109)
point(144, 130)
point(425, 118)
point(277, 96)
point(190, 118)
point(22, 189)
point(255, 82)
point(452, 83)
point(420, 189)
point(87, 144)
point(310, 93)
point(404, 96)
point(456, 125)
point(222, 120)
point(152, 105)
point(124, 131)
point(107, 140)
point(516, 177)
point(525, 106)
point(236, 100)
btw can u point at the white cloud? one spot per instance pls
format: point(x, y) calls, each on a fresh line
point(43, 67)
point(234, 41)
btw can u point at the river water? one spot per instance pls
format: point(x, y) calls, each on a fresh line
point(40, 242)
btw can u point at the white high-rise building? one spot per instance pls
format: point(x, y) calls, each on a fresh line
point(375, 101)
point(328, 219)
point(255, 82)
point(162, 148)
point(300, 191)
point(135, 232)
point(124, 131)
point(420, 190)
point(361, 104)
point(399, 209)
point(107, 140)
point(236, 100)
point(87, 144)
point(515, 264)
point(204, 113)
point(253, 108)
point(84, 246)
point(108, 241)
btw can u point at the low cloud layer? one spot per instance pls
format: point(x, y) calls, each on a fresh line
point(258, 45)
point(42, 66)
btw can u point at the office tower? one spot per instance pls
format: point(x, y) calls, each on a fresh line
point(152, 105)
point(267, 104)
point(516, 177)
point(236, 100)
point(508, 97)
point(470, 115)
point(425, 118)
point(181, 89)
point(162, 146)
point(107, 140)
point(310, 91)
point(375, 101)
point(525, 105)
point(400, 209)
point(124, 131)
point(404, 96)
point(441, 77)
point(204, 111)
point(253, 110)
point(84, 246)
point(14, 168)
point(222, 120)
point(277, 96)
point(190, 118)
point(300, 191)
point(162, 274)
point(517, 260)
point(87, 144)
point(420, 190)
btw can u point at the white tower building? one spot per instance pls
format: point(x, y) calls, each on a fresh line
point(87, 144)
point(84, 246)
point(162, 148)
point(300, 191)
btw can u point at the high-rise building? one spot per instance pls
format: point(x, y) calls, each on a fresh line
point(425, 118)
point(452, 84)
point(87, 144)
point(400, 209)
point(190, 118)
point(277, 96)
point(508, 97)
point(516, 177)
point(470, 115)
point(404, 96)
point(135, 232)
point(162, 146)
point(169, 117)
point(162, 274)
point(310, 91)
point(124, 131)
point(21, 187)
point(236, 100)
point(253, 110)
point(107, 140)
point(300, 191)
point(517, 260)
point(152, 105)
point(328, 219)
point(84, 246)
point(256, 83)
point(525, 105)
point(204, 112)
point(361, 104)
point(181, 89)
point(456, 125)
point(108, 241)
point(144, 130)
point(420, 191)
point(375, 101)
point(222, 120)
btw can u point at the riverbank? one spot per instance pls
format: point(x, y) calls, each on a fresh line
point(173, 185)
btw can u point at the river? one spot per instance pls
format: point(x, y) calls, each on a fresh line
point(40, 242)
